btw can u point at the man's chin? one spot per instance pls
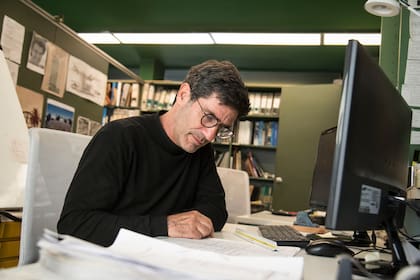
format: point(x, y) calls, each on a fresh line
point(192, 148)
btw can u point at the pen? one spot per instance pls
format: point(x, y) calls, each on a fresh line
point(258, 240)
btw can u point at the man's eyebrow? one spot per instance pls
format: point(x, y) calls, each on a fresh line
point(208, 111)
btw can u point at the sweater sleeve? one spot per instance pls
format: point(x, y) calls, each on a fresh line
point(210, 199)
point(95, 189)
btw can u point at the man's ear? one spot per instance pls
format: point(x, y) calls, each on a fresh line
point(184, 93)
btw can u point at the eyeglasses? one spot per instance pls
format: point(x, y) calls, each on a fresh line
point(209, 120)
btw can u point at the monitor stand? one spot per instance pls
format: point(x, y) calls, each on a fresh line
point(359, 239)
point(385, 269)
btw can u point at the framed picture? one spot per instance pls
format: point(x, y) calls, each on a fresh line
point(58, 116)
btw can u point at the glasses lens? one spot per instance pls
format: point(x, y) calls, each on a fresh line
point(208, 120)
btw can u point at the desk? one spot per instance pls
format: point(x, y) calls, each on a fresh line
point(314, 267)
point(265, 218)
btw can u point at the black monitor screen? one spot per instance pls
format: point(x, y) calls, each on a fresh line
point(321, 179)
point(372, 148)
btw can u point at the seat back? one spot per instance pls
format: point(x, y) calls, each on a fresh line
point(53, 159)
point(236, 185)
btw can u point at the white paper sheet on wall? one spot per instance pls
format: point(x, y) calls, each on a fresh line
point(11, 41)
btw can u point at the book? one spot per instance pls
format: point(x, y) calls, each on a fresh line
point(257, 104)
point(274, 133)
point(244, 134)
point(276, 104)
point(271, 129)
point(259, 133)
point(125, 94)
point(150, 97)
point(135, 95)
point(118, 92)
point(225, 160)
point(144, 96)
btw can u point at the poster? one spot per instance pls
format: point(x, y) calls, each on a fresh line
point(37, 54)
point(32, 104)
point(55, 70)
point(85, 81)
point(58, 116)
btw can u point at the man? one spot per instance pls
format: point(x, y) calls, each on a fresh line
point(155, 174)
point(37, 50)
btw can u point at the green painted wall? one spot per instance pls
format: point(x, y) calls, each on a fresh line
point(32, 21)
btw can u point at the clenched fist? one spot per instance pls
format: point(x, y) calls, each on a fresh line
point(191, 224)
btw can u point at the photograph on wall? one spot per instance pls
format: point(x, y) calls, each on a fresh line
point(83, 125)
point(37, 54)
point(32, 104)
point(94, 127)
point(11, 40)
point(85, 81)
point(54, 80)
point(87, 126)
point(58, 116)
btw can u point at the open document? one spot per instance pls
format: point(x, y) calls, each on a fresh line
point(136, 256)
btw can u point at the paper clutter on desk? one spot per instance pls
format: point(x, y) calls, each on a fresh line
point(136, 256)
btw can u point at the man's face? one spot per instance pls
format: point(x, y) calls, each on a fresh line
point(190, 133)
point(37, 52)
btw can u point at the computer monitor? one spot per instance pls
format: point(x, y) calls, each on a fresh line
point(320, 189)
point(321, 178)
point(371, 157)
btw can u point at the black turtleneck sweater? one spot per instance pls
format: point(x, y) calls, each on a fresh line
point(131, 175)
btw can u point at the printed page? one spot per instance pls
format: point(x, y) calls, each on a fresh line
point(158, 259)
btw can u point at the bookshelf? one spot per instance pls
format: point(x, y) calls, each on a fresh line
point(158, 95)
point(122, 100)
point(254, 145)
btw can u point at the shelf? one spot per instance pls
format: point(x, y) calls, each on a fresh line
point(260, 147)
point(121, 107)
point(262, 180)
point(245, 146)
point(260, 117)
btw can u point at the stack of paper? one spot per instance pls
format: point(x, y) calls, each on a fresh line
point(136, 256)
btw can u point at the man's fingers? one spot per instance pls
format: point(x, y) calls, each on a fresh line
point(190, 224)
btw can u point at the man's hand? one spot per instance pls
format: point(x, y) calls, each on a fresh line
point(191, 224)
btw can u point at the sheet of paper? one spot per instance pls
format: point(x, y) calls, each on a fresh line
point(11, 41)
point(411, 94)
point(159, 259)
point(416, 118)
point(415, 138)
point(414, 27)
point(413, 49)
point(198, 262)
point(231, 247)
point(412, 72)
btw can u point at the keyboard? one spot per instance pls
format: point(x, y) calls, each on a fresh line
point(284, 235)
